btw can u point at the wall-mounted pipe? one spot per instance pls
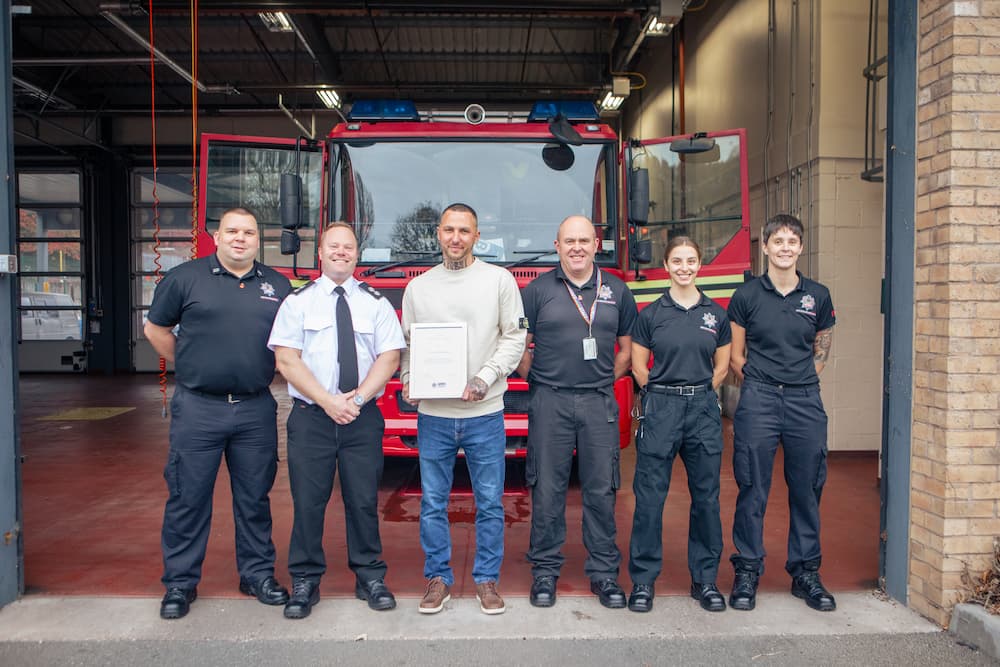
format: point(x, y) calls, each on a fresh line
point(116, 21)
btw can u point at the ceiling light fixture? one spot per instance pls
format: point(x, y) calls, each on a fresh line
point(658, 27)
point(610, 101)
point(329, 98)
point(276, 21)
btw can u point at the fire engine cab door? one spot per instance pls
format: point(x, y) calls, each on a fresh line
point(247, 171)
point(695, 186)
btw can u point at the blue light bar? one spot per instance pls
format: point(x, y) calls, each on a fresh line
point(570, 110)
point(383, 110)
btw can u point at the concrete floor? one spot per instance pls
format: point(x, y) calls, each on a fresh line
point(93, 497)
point(865, 630)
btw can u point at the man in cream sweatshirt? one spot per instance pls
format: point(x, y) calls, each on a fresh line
point(486, 298)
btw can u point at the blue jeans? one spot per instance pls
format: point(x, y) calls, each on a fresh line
point(484, 442)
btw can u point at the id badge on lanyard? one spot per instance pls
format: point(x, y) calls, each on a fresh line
point(589, 342)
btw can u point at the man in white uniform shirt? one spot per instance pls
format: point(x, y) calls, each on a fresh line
point(337, 341)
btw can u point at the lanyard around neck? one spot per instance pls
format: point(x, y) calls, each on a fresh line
point(587, 317)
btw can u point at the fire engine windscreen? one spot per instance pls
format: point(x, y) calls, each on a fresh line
point(395, 191)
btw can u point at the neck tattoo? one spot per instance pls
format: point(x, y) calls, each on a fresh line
point(456, 265)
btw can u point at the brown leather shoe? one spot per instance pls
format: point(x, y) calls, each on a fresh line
point(490, 601)
point(437, 594)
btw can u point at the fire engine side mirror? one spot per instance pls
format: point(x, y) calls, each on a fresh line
point(696, 143)
point(290, 212)
point(290, 242)
point(638, 205)
point(641, 252)
point(290, 201)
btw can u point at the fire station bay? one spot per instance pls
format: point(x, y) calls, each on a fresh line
point(132, 127)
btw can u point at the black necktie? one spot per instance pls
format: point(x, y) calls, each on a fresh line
point(347, 354)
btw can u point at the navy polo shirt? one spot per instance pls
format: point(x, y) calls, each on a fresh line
point(683, 340)
point(224, 320)
point(781, 329)
point(558, 329)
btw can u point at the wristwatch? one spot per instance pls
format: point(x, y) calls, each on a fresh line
point(359, 400)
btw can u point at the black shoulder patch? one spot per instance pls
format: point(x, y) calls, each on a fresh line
point(371, 290)
point(303, 288)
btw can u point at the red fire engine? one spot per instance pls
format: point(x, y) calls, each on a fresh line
point(389, 170)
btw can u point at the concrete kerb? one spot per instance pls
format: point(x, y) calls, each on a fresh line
point(43, 618)
point(974, 625)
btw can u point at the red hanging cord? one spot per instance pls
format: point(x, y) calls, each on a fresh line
point(194, 129)
point(156, 199)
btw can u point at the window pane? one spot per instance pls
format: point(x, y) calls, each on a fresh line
point(249, 176)
point(49, 256)
point(144, 287)
point(48, 222)
point(51, 325)
point(48, 188)
point(172, 187)
point(172, 253)
point(174, 222)
point(62, 291)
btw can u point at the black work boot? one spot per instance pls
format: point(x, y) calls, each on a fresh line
point(808, 587)
point(744, 595)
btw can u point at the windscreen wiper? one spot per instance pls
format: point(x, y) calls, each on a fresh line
point(533, 255)
point(421, 255)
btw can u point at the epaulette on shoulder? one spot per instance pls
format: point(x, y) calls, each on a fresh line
point(371, 290)
point(303, 288)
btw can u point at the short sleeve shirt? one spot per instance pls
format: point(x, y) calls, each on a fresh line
point(781, 330)
point(553, 306)
point(224, 324)
point(683, 340)
point(307, 321)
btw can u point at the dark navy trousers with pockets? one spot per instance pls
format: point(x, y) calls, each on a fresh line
point(203, 429)
point(690, 426)
point(767, 414)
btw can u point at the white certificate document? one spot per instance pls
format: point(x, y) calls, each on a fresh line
point(438, 359)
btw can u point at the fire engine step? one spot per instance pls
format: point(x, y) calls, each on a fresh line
point(93, 495)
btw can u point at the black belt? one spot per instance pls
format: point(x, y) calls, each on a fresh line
point(676, 390)
point(229, 398)
point(782, 386)
point(575, 390)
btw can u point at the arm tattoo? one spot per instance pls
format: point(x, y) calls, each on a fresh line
point(821, 346)
point(478, 388)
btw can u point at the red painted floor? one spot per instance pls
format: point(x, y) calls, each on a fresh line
point(93, 496)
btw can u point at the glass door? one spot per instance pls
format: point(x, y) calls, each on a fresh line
point(50, 249)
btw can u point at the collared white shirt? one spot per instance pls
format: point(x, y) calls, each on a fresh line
point(307, 321)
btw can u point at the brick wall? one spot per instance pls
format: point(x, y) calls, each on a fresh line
point(955, 455)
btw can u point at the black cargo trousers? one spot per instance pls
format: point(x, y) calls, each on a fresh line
point(561, 420)
point(685, 421)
